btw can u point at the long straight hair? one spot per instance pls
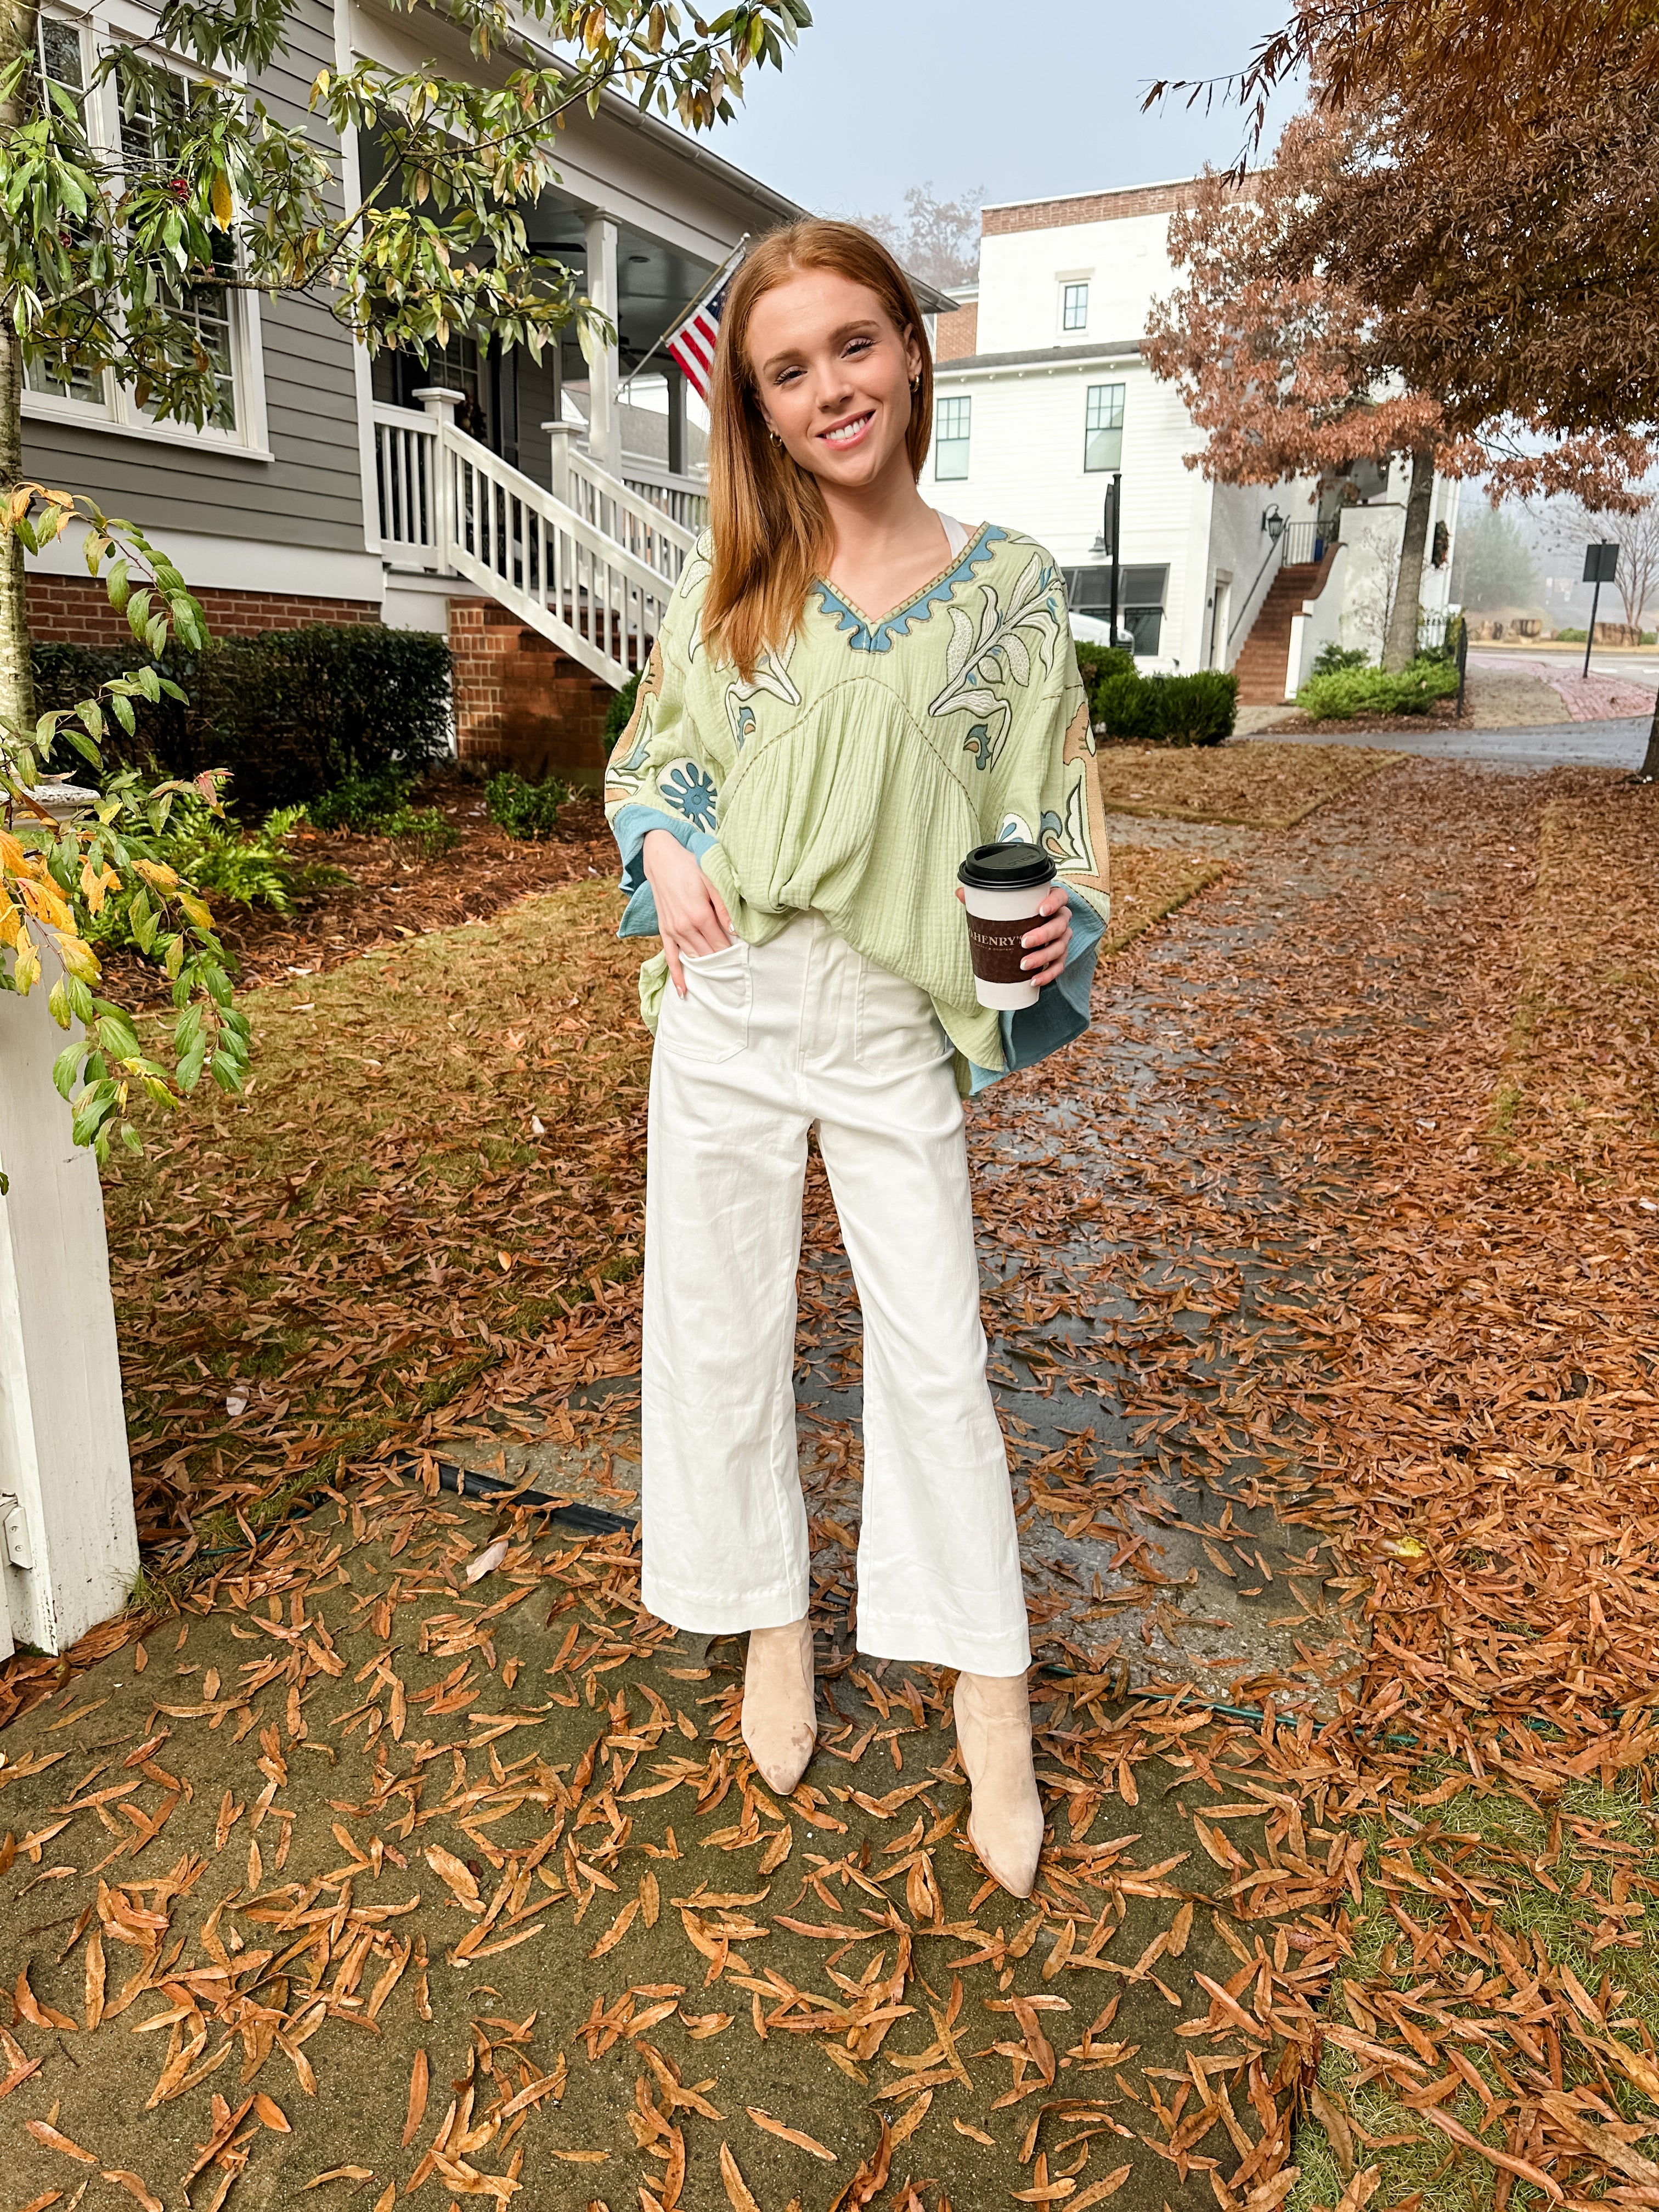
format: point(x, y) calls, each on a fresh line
point(767, 516)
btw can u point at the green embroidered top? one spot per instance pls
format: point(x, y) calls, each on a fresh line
point(863, 763)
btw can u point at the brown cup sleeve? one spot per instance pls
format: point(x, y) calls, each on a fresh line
point(995, 947)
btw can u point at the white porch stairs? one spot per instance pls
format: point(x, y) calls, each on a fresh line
point(589, 560)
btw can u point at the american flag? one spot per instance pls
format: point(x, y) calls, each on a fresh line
point(693, 344)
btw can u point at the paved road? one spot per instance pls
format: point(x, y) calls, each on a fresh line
point(1548, 745)
point(1626, 666)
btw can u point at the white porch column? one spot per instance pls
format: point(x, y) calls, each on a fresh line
point(604, 364)
point(69, 1541)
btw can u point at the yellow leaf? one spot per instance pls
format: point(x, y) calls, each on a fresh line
point(221, 200)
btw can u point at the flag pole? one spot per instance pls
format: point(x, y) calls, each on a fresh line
point(709, 287)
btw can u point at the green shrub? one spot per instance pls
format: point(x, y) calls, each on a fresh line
point(1571, 636)
point(1331, 660)
point(1351, 691)
point(621, 706)
point(525, 809)
point(1096, 662)
point(380, 806)
point(361, 803)
point(1199, 709)
point(289, 713)
point(218, 858)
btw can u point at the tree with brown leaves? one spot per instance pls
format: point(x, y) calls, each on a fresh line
point(1296, 351)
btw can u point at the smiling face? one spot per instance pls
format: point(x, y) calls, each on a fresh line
point(832, 373)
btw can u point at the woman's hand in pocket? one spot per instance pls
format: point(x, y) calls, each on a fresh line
point(690, 913)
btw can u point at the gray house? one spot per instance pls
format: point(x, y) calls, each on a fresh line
point(497, 501)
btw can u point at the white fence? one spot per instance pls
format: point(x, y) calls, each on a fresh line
point(589, 561)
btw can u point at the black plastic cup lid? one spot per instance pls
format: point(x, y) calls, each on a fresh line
point(1012, 868)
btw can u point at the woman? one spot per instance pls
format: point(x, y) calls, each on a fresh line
point(792, 796)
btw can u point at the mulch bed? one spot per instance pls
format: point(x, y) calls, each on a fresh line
point(393, 893)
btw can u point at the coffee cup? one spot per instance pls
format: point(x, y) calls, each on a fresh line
point(1003, 887)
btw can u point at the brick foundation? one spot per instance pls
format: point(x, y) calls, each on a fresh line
point(76, 610)
point(521, 703)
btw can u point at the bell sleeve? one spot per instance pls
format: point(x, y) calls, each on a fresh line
point(1045, 790)
point(660, 776)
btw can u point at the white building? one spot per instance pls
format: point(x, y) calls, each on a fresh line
point(1043, 396)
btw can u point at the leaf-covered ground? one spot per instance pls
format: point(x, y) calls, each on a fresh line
point(1253, 782)
point(1304, 1247)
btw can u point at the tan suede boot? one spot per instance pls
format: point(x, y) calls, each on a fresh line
point(779, 1719)
point(993, 1734)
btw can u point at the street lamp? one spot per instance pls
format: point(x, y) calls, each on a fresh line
point(1601, 567)
point(1107, 543)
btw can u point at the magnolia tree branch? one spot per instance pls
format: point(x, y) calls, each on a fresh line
point(55, 877)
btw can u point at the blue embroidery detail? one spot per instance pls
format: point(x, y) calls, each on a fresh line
point(691, 789)
point(877, 637)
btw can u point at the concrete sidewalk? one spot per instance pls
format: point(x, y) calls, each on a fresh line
point(1548, 744)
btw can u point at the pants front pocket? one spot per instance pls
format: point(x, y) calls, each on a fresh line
point(711, 1022)
point(896, 1031)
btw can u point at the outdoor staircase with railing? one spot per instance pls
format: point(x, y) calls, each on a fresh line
point(589, 559)
point(1304, 561)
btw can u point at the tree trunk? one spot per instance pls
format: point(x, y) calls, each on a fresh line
point(18, 20)
point(1648, 771)
point(1400, 648)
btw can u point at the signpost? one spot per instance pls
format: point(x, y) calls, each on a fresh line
point(1110, 523)
point(1601, 567)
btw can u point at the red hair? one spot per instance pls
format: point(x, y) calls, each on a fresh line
point(770, 528)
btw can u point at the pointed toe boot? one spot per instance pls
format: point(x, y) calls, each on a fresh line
point(780, 1719)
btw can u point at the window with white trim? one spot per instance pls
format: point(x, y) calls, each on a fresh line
point(1102, 428)
point(65, 59)
point(225, 320)
point(1074, 306)
point(954, 428)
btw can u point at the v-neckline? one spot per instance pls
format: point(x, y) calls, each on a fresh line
point(879, 623)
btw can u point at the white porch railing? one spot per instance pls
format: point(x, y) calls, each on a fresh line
point(682, 499)
point(589, 561)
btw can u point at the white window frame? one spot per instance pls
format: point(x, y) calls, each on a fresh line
point(1104, 429)
point(118, 410)
point(1074, 295)
point(963, 400)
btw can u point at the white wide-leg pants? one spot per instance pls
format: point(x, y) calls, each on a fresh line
point(771, 1039)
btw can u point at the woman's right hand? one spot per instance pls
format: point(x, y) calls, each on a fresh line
point(690, 913)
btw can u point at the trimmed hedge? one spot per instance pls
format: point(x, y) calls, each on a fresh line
point(1096, 662)
point(1200, 709)
point(1349, 691)
point(291, 712)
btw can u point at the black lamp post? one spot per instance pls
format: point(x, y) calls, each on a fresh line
point(1109, 532)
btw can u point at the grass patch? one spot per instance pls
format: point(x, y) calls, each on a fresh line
point(439, 1154)
point(1581, 1083)
point(1249, 781)
point(1539, 1924)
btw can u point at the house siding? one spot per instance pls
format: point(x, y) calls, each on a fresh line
point(311, 493)
point(1025, 471)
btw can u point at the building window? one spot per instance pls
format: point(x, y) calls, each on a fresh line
point(149, 125)
point(1140, 595)
point(65, 64)
point(1102, 428)
point(128, 127)
point(1074, 306)
point(950, 435)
